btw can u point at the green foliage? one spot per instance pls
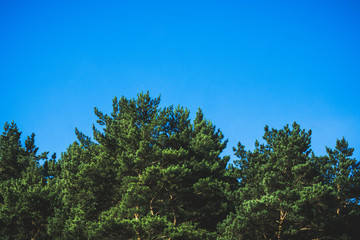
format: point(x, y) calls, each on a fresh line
point(342, 174)
point(151, 173)
point(12, 154)
point(285, 192)
point(24, 199)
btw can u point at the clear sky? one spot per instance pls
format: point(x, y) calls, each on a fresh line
point(245, 63)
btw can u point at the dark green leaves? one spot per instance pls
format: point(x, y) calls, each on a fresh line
point(149, 172)
point(287, 193)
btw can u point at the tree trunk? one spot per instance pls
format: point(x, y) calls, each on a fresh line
point(281, 220)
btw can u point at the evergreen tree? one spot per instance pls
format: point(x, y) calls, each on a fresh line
point(12, 161)
point(341, 173)
point(280, 195)
point(151, 174)
point(24, 202)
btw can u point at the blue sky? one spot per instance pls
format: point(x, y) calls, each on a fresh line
point(245, 63)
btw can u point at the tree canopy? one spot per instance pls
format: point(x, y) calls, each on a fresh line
point(286, 192)
point(150, 172)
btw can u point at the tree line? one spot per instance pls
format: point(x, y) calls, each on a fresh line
point(150, 172)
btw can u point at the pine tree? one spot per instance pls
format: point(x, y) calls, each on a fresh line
point(280, 194)
point(12, 161)
point(24, 202)
point(150, 174)
point(341, 173)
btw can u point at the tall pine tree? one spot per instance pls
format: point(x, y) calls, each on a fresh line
point(280, 194)
point(341, 173)
point(24, 199)
point(150, 174)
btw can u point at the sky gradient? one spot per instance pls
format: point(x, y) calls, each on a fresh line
point(245, 63)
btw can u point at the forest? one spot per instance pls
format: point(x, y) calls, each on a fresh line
point(151, 172)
